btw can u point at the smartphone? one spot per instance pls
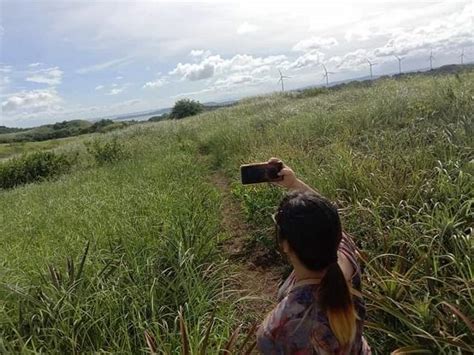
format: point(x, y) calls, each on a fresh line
point(260, 172)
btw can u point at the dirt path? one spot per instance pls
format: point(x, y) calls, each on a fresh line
point(257, 285)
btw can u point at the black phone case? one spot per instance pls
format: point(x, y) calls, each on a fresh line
point(258, 173)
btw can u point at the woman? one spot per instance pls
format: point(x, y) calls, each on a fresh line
point(320, 309)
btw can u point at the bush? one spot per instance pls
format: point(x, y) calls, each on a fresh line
point(186, 107)
point(107, 152)
point(32, 167)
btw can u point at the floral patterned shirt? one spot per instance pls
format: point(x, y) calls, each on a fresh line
point(298, 325)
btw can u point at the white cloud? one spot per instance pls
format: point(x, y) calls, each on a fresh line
point(442, 35)
point(34, 65)
point(351, 60)
point(378, 22)
point(156, 83)
point(216, 65)
point(105, 65)
point(31, 102)
point(99, 87)
point(194, 72)
point(228, 84)
point(5, 68)
point(235, 79)
point(116, 91)
point(119, 77)
point(361, 33)
point(308, 59)
point(246, 28)
point(200, 53)
point(50, 76)
point(196, 52)
point(260, 70)
point(315, 43)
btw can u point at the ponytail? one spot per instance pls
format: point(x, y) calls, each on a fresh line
point(335, 299)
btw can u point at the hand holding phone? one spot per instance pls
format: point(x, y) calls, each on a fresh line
point(261, 172)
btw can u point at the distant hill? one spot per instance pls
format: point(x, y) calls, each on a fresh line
point(366, 80)
point(4, 129)
point(57, 130)
point(445, 69)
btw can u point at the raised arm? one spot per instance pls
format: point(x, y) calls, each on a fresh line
point(290, 181)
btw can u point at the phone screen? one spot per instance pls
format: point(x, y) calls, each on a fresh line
point(261, 172)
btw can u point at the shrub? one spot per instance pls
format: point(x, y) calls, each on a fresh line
point(32, 167)
point(186, 107)
point(106, 152)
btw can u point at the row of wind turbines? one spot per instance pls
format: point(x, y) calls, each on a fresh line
point(370, 63)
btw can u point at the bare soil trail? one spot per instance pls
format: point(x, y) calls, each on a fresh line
point(256, 284)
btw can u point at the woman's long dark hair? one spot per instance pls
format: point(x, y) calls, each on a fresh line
point(311, 226)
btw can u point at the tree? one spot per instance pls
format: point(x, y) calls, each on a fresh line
point(186, 107)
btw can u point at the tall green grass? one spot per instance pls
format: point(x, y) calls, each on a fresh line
point(151, 227)
point(396, 156)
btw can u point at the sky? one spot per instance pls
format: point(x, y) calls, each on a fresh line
point(63, 60)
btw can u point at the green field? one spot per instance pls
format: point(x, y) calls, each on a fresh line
point(93, 260)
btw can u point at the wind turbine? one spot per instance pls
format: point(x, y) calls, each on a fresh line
point(370, 65)
point(281, 79)
point(462, 56)
point(326, 74)
point(431, 60)
point(399, 63)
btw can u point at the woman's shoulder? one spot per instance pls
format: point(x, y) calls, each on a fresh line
point(297, 324)
point(348, 247)
point(285, 288)
point(292, 306)
point(349, 252)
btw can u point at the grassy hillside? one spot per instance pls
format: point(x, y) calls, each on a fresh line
point(8, 150)
point(95, 259)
